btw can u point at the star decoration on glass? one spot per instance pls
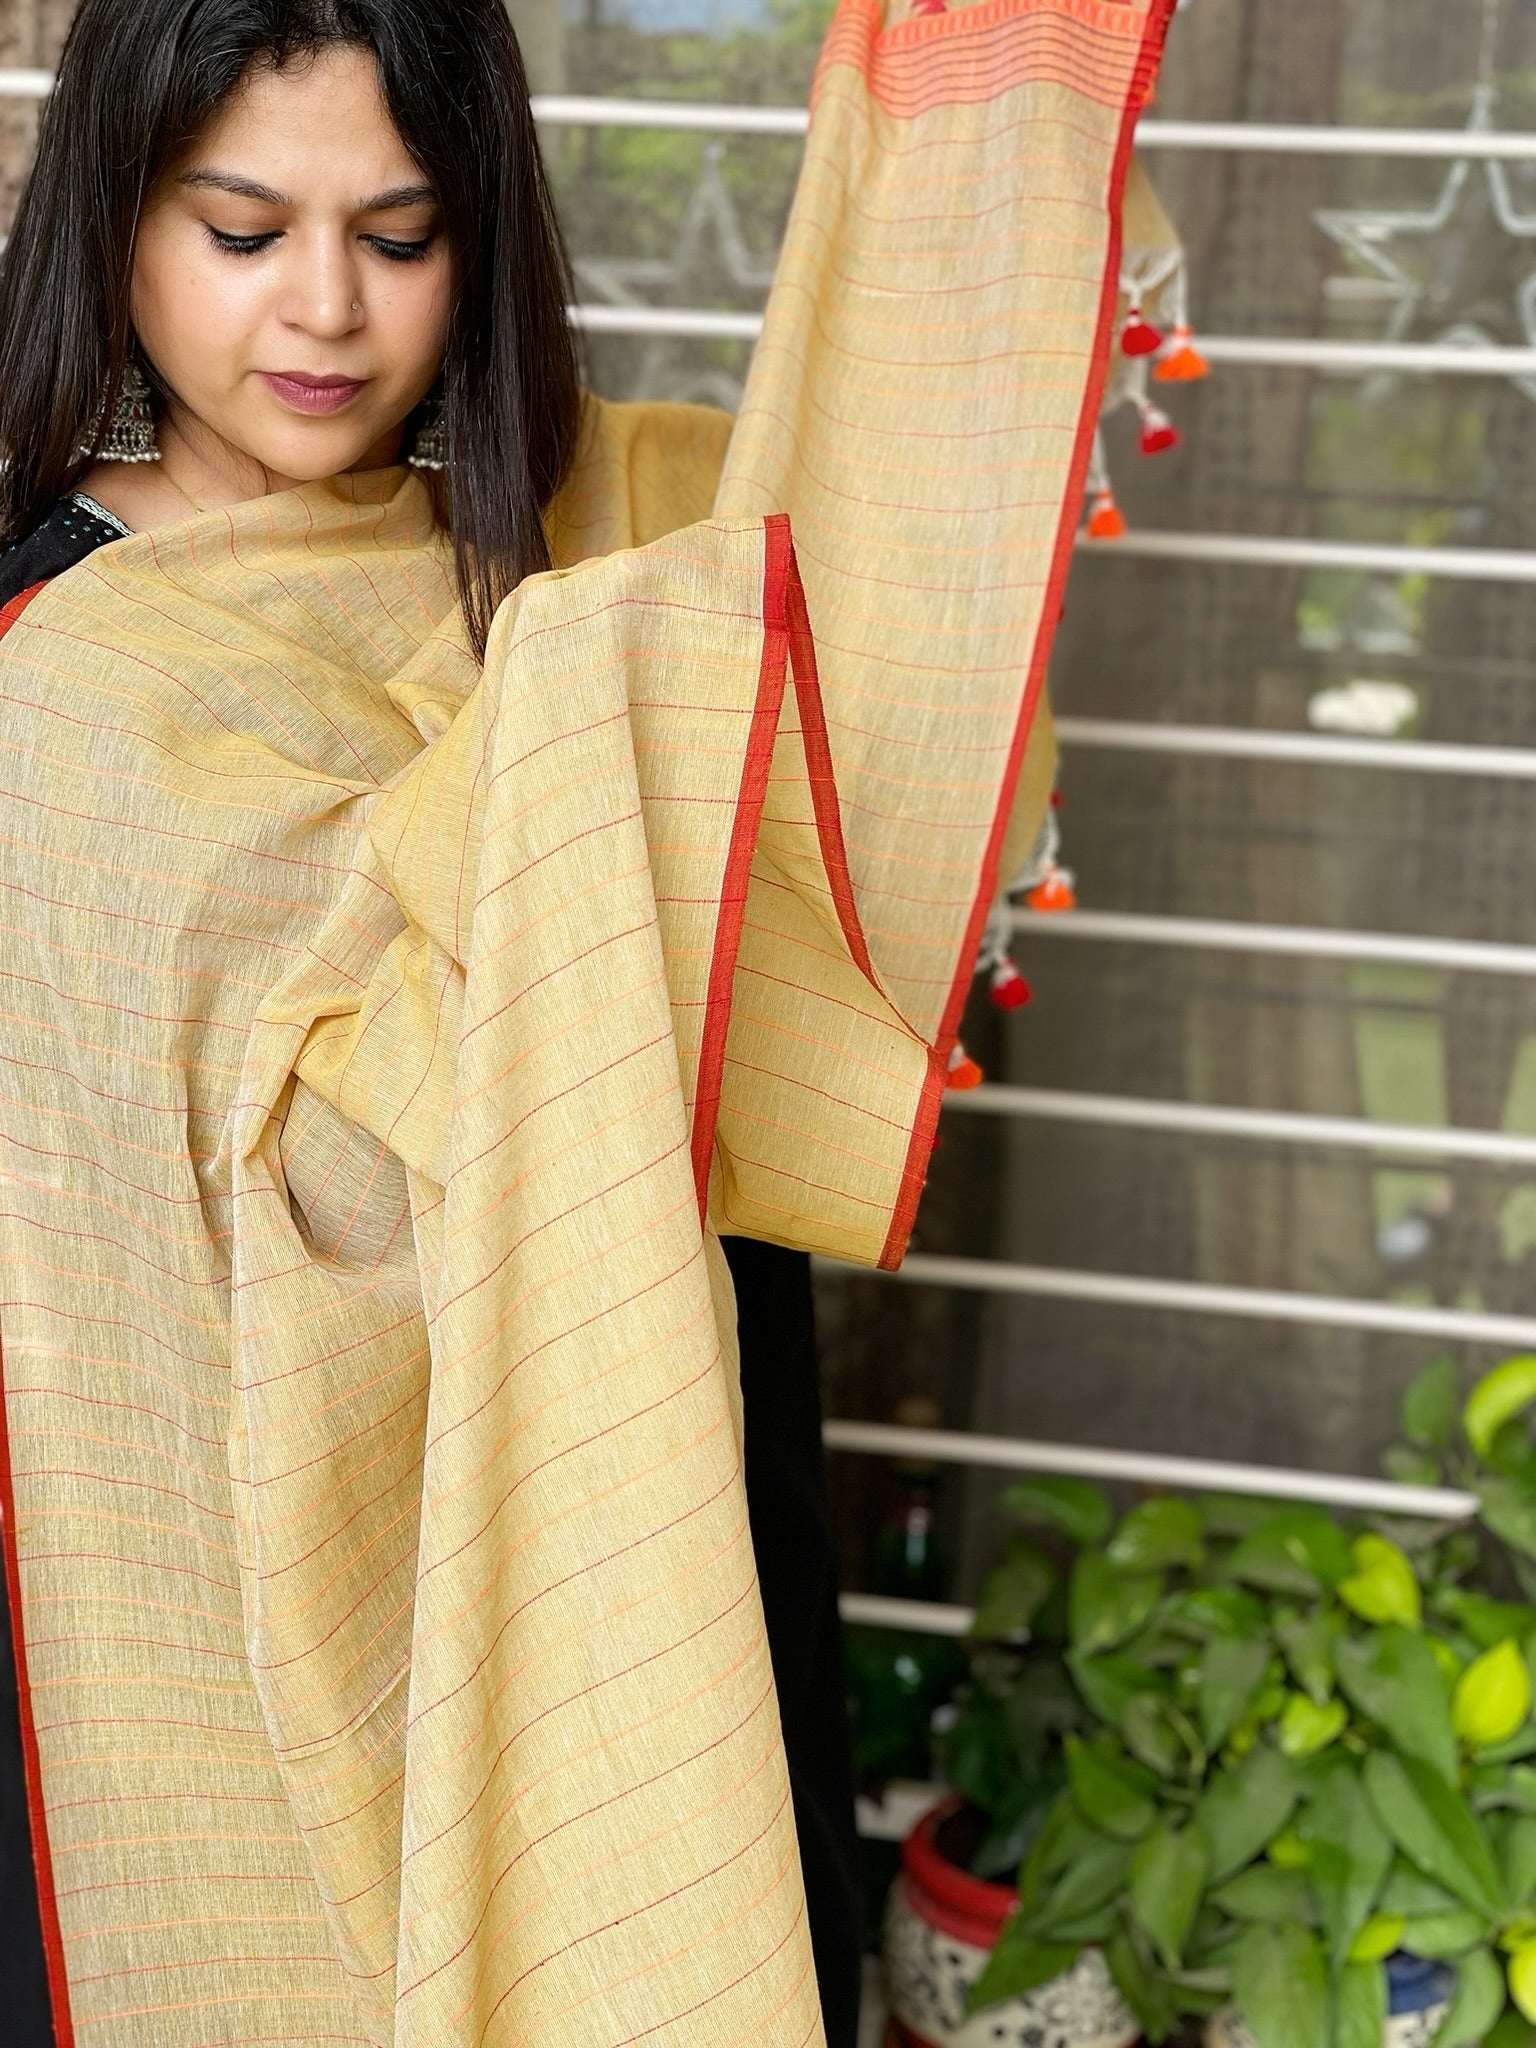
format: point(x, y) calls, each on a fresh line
point(1446, 263)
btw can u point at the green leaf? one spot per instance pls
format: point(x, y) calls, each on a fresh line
point(1264, 1892)
point(1216, 1611)
point(1351, 1855)
point(1518, 1856)
point(1281, 1985)
point(1158, 1735)
point(1438, 1935)
point(1232, 1669)
point(1106, 1605)
point(1013, 1594)
point(1309, 1643)
point(1109, 1792)
point(1297, 1550)
point(1510, 1512)
point(1233, 1514)
point(1306, 1728)
point(1064, 1836)
point(1383, 1586)
point(1410, 1892)
point(1512, 2030)
point(1018, 1963)
point(1360, 2006)
point(1488, 1622)
point(1087, 1883)
point(1391, 1675)
point(1145, 1993)
point(1072, 1505)
point(1428, 1409)
point(1498, 1396)
point(1244, 1806)
point(1168, 1872)
point(1156, 1534)
point(1434, 1828)
point(1522, 1978)
point(1108, 1684)
point(1476, 2002)
point(1492, 1696)
point(1410, 1467)
point(1376, 1938)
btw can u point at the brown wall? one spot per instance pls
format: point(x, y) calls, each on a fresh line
point(31, 34)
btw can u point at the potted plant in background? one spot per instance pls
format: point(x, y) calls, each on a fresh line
point(1262, 1769)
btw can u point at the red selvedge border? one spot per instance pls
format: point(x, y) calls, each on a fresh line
point(778, 572)
point(10, 613)
point(37, 1820)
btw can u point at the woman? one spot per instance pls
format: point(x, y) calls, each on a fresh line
point(411, 967)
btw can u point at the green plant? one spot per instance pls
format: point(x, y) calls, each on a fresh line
point(1289, 1745)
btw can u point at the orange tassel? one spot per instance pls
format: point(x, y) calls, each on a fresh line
point(1105, 521)
point(1054, 893)
point(963, 1070)
point(1138, 337)
point(1183, 362)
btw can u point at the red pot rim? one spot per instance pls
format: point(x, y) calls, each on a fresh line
point(971, 1909)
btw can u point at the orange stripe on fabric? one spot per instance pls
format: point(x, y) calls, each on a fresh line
point(10, 613)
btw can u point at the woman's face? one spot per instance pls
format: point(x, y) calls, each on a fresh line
point(291, 285)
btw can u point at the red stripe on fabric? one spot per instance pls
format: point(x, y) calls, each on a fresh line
point(10, 613)
point(42, 1859)
point(1147, 59)
point(976, 54)
point(818, 761)
point(778, 558)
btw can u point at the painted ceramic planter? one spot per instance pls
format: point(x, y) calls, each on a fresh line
point(940, 1924)
point(1417, 1995)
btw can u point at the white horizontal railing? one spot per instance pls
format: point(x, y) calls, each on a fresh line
point(928, 1617)
point(1240, 743)
point(1150, 1468)
point(1348, 358)
point(568, 110)
point(1301, 942)
point(1204, 1298)
point(1206, 1120)
point(1279, 551)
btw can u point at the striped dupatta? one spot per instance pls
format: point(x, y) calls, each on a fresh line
point(387, 1043)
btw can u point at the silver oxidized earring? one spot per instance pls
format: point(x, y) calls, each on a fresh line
point(131, 436)
point(429, 446)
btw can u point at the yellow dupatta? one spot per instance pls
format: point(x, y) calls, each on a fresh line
point(385, 1042)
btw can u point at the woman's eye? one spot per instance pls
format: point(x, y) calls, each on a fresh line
point(400, 252)
point(241, 245)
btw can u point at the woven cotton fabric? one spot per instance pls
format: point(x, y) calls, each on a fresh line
point(386, 1042)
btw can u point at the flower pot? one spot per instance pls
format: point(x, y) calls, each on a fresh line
point(1417, 1995)
point(940, 1924)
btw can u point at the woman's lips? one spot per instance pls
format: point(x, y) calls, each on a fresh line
point(311, 394)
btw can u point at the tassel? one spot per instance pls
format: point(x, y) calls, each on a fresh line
point(1105, 521)
point(1138, 337)
point(930, 6)
point(963, 1070)
point(1157, 431)
point(1183, 363)
point(1009, 989)
point(1054, 891)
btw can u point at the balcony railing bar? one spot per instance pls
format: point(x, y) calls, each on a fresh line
point(1207, 1120)
point(1203, 1298)
point(1150, 1468)
point(1238, 743)
point(1304, 942)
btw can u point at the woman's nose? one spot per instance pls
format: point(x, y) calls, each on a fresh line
point(322, 292)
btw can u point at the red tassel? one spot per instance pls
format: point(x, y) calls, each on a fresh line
point(1157, 431)
point(1138, 337)
point(1105, 521)
point(963, 1070)
point(1183, 362)
point(1056, 799)
point(1054, 893)
point(1009, 990)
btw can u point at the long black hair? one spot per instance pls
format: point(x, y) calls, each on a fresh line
point(138, 83)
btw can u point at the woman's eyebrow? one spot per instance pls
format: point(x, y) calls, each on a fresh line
point(241, 188)
point(398, 195)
